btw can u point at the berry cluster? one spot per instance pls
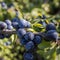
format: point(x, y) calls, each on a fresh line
point(51, 32)
point(20, 23)
point(28, 39)
point(10, 25)
point(7, 25)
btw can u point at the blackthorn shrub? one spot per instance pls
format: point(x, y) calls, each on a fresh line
point(15, 37)
point(10, 27)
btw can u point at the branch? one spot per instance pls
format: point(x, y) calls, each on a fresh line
point(8, 32)
point(14, 32)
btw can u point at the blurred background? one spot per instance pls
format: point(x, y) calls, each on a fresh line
point(33, 11)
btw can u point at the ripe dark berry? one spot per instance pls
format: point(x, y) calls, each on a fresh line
point(8, 22)
point(15, 25)
point(26, 37)
point(50, 26)
point(23, 41)
point(3, 25)
point(29, 46)
point(22, 23)
point(28, 56)
point(29, 36)
point(51, 35)
point(37, 39)
point(21, 32)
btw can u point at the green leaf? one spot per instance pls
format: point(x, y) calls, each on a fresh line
point(38, 27)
